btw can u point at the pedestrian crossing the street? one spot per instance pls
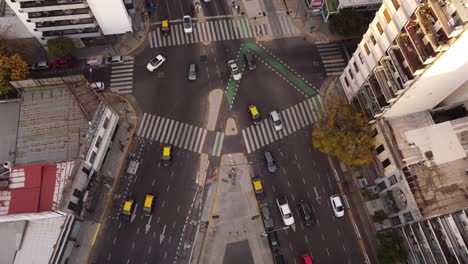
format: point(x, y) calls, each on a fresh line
point(294, 118)
point(333, 58)
point(164, 130)
point(122, 77)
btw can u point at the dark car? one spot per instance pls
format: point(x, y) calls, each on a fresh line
point(274, 242)
point(306, 213)
point(250, 61)
point(271, 164)
point(279, 259)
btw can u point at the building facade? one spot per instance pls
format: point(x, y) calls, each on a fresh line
point(75, 19)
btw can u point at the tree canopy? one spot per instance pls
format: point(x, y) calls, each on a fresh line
point(60, 47)
point(12, 68)
point(345, 134)
point(390, 250)
point(349, 22)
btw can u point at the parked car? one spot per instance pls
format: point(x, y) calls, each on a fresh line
point(273, 241)
point(115, 60)
point(271, 164)
point(276, 120)
point(279, 259)
point(192, 73)
point(65, 62)
point(98, 86)
point(250, 61)
point(255, 114)
point(236, 75)
point(127, 209)
point(267, 220)
point(155, 63)
point(306, 259)
point(258, 188)
point(188, 27)
point(306, 212)
point(337, 205)
point(40, 65)
point(285, 211)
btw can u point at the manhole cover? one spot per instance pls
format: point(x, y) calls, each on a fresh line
point(160, 75)
point(203, 58)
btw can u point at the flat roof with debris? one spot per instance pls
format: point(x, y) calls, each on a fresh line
point(53, 118)
point(436, 157)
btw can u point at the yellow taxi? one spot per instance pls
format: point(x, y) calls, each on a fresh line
point(165, 28)
point(255, 114)
point(127, 209)
point(148, 205)
point(258, 188)
point(166, 155)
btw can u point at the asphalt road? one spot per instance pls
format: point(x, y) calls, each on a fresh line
point(176, 9)
point(304, 172)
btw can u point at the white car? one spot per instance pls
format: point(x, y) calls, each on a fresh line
point(155, 63)
point(337, 205)
point(188, 28)
point(98, 86)
point(234, 70)
point(115, 60)
point(286, 213)
point(276, 120)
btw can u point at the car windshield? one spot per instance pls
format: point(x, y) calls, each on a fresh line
point(287, 215)
point(277, 122)
point(187, 23)
point(155, 62)
point(339, 208)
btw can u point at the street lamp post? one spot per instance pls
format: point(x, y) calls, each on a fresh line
point(273, 230)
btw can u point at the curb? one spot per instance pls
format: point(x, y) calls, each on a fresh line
point(144, 38)
point(314, 37)
point(117, 176)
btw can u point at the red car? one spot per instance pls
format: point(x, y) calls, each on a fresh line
point(64, 63)
point(306, 259)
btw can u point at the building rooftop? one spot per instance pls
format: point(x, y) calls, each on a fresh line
point(35, 188)
point(436, 157)
point(356, 3)
point(52, 122)
point(9, 111)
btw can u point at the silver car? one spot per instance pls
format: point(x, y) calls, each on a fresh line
point(192, 73)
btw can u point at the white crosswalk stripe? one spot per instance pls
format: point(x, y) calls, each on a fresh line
point(225, 28)
point(164, 130)
point(333, 58)
point(294, 118)
point(122, 77)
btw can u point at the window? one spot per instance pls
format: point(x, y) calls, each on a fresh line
point(396, 4)
point(387, 16)
point(392, 180)
point(360, 57)
point(372, 38)
point(395, 220)
point(106, 122)
point(379, 27)
point(93, 157)
point(386, 163)
point(382, 186)
point(98, 141)
point(374, 133)
point(380, 149)
point(355, 67)
point(346, 81)
point(351, 74)
point(408, 217)
point(366, 48)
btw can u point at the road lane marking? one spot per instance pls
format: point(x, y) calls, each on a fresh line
point(184, 133)
point(197, 141)
point(163, 120)
point(262, 127)
point(290, 120)
point(299, 116)
point(188, 136)
point(303, 112)
point(173, 134)
point(169, 131)
point(179, 133)
point(257, 144)
point(202, 141)
point(141, 124)
point(244, 136)
point(257, 129)
point(155, 128)
point(163, 203)
point(294, 114)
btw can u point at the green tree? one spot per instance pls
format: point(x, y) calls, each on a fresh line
point(379, 216)
point(60, 47)
point(390, 250)
point(345, 134)
point(12, 68)
point(348, 22)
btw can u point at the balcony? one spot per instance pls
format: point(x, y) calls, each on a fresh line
point(59, 15)
point(66, 24)
point(360, 100)
point(400, 64)
point(378, 90)
point(416, 35)
point(451, 25)
point(409, 53)
point(431, 27)
point(433, 243)
point(73, 33)
point(51, 5)
point(393, 77)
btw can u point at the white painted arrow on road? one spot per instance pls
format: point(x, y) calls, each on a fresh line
point(148, 225)
point(161, 236)
point(132, 217)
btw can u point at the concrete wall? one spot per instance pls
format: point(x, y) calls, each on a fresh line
point(111, 15)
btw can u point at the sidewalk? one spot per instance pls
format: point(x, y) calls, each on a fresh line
point(108, 172)
point(233, 236)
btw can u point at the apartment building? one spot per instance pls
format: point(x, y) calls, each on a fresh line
point(80, 20)
point(331, 7)
point(409, 78)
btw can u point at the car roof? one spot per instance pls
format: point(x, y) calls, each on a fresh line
point(257, 184)
point(165, 23)
point(274, 114)
point(128, 205)
point(166, 151)
point(285, 209)
point(253, 110)
point(337, 200)
point(149, 200)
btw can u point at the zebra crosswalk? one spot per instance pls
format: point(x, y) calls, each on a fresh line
point(294, 118)
point(122, 77)
point(333, 58)
point(164, 130)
